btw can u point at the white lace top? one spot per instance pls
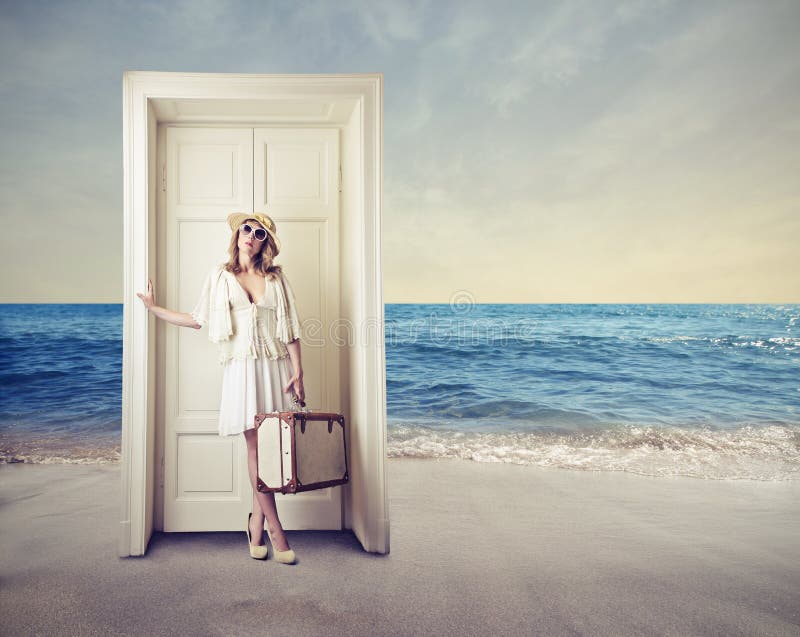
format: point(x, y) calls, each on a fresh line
point(243, 329)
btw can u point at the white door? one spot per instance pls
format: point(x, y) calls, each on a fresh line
point(211, 172)
point(297, 184)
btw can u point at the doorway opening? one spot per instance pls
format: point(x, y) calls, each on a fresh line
point(278, 110)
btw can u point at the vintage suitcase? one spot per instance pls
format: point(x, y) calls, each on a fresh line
point(300, 450)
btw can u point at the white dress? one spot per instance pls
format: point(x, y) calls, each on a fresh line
point(256, 364)
point(250, 387)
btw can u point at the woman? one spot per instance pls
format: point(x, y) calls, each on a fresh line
point(249, 307)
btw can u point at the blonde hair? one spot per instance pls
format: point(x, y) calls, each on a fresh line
point(262, 261)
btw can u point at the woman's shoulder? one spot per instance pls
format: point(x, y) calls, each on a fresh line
point(219, 269)
point(214, 274)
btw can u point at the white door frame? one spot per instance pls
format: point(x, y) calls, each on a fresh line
point(351, 102)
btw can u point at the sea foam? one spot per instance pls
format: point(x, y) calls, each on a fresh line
point(769, 453)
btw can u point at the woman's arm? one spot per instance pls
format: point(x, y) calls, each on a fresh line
point(181, 319)
point(297, 377)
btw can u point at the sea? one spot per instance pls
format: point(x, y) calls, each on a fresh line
point(710, 391)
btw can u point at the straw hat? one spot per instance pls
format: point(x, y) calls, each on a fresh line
point(236, 219)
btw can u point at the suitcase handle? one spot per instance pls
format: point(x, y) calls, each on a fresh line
point(297, 404)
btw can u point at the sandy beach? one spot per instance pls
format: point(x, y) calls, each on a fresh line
point(476, 548)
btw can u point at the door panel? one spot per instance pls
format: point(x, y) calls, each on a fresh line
point(297, 184)
point(209, 175)
point(292, 175)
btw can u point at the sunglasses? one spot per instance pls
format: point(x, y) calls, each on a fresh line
point(259, 233)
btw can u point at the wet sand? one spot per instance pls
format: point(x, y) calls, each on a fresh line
point(475, 549)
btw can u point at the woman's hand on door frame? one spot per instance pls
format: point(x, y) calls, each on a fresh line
point(149, 298)
point(181, 319)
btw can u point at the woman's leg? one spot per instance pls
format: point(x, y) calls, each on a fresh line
point(263, 503)
point(257, 522)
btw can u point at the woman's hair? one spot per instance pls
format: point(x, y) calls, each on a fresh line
point(262, 260)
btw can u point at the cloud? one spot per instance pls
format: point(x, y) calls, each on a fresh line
point(579, 139)
point(466, 28)
point(386, 23)
point(551, 47)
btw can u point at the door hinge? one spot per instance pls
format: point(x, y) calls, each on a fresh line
point(340, 177)
point(164, 178)
point(161, 477)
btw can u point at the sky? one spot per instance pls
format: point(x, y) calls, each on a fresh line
point(534, 152)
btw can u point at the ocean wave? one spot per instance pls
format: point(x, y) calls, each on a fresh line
point(768, 453)
point(59, 448)
point(13, 379)
point(469, 407)
point(33, 458)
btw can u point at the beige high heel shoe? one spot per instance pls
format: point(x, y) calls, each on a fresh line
point(284, 557)
point(256, 552)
